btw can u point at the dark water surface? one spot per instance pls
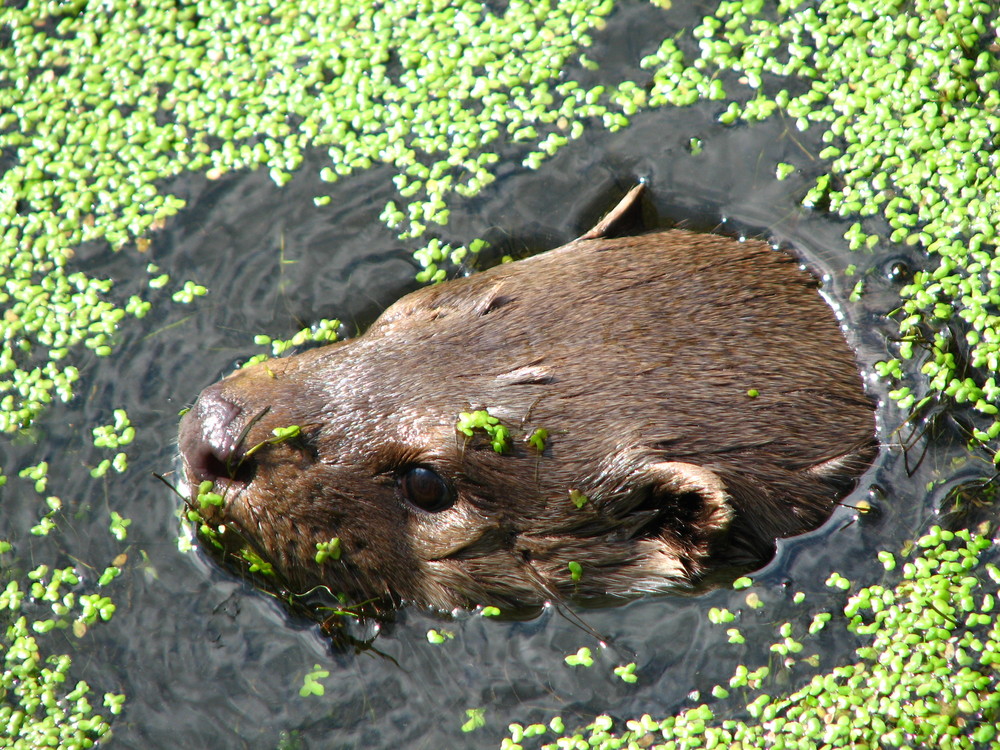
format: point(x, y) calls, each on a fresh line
point(207, 662)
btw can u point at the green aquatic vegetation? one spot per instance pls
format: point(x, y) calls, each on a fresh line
point(578, 499)
point(925, 673)
point(575, 570)
point(857, 292)
point(110, 573)
point(582, 658)
point(112, 437)
point(743, 677)
point(119, 463)
point(119, 526)
point(626, 673)
point(436, 253)
point(519, 733)
point(94, 124)
point(788, 645)
point(279, 435)
point(98, 174)
point(437, 637)
point(838, 581)
point(101, 104)
point(469, 422)
point(115, 435)
point(41, 705)
point(188, 292)
point(39, 473)
point(324, 331)
point(783, 171)
point(475, 719)
point(47, 523)
point(538, 438)
point(311, 684)
point(908, 99)
point(719, 615)
point(218, 90)
point(256, 563)
point(192, 515)
point(328, 550)
point(819, 622)
point(95, 606)
point(207, 496)
point(887, 559)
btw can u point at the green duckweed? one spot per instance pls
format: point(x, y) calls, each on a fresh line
point(95, 122)
point(311, 684)
point(925, 673)
point(42, 706)
point(908, 99)
point(499, 435)
point(100, 105)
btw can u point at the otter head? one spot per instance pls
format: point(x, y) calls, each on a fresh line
point(635, 355)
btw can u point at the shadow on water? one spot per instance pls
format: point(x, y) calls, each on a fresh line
point(207, 662)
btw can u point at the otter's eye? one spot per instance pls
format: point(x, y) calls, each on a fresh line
point(425, 489)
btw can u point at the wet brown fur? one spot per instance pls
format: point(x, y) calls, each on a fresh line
point(636, 354)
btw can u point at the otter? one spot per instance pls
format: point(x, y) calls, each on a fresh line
point(699, 399)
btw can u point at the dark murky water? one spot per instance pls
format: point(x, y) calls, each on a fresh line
point(207, 662)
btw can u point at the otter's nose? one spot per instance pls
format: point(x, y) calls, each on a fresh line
point(208, 436)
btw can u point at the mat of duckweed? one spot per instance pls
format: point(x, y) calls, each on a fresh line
point(184, 182)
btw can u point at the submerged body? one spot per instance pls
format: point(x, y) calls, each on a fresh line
point(637, 355)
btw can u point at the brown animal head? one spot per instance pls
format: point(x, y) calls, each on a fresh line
point(636, 355)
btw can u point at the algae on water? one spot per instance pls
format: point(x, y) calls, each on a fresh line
point(101, 104)
point(93, 122)
point(925, 674)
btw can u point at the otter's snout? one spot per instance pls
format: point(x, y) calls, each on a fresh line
point(208, 437)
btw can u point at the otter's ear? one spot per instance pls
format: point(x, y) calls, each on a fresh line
point(683, 515)
point(700, 497)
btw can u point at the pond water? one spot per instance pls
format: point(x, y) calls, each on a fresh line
point(206, 661)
